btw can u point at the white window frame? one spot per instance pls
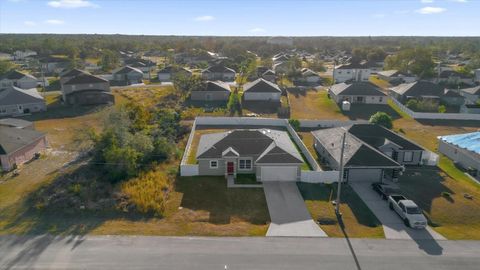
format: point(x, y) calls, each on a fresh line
point(214, 167)
point(245, 168)
point(405, 155)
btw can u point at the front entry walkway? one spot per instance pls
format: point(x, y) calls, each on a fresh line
point(393, 226)
point(288, 213)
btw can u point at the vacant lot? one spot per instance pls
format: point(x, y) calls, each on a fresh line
point(313, 104)
point(359, 221)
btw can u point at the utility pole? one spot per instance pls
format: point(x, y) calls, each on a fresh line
point(340, 178)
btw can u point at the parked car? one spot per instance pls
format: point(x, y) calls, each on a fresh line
point(411, 214)
point(384, 190)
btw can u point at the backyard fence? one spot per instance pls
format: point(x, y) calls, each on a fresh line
point(319, 176)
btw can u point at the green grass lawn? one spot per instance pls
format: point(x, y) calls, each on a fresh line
point(359, 221)
point(246, 179)
point(379, 82)
point(313, 104)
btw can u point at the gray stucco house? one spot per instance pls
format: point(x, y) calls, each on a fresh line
point(417, 90)
point(219, 73)
point(17, 101)
point(82, 88)
point(372, 152)
point(213, 91)
point(269, 154)
point(18, 79)
point(261, 90)
point(357, 93)
point(127, 75)
point(168, 73)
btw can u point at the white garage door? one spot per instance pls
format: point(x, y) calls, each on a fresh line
point(272, 173)
point(364, 175)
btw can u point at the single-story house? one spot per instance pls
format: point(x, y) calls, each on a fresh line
point(362, 162)
point(463, 149)
point(281, 67)
point(416, 90)
point(280, 58)
point(269, 154)
point(357, 92)
point(18, 79)
point(127, 75)
point(16, 101)
point(269, 75)
point(452, 97)
point(212, 91)
point(352, 71)
point(18, 146)
point(167, 73)
point(146, 66)
point(261, 90)
point(16, 123)
point(85, 89)
point(472, 95)
point(19, 55)
point(52, 64)
point(310, 76)
point(396, 76)
point(219, 73)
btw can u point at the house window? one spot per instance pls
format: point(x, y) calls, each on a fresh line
point(345, 175)
point(380, 99)
point(245, 164)
point(213, 164)
point(408, 156)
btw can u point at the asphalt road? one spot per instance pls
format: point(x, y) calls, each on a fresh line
point(131, 252)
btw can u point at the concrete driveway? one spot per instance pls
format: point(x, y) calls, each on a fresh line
point(288, 214)
point(393, 226)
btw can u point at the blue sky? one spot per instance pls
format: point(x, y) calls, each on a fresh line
point(243, 17)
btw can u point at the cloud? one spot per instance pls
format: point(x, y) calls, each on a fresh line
point(431, 10)
point(54, 22)
point(29, 23)
point(71, 4)
point(427, 1)
point(257, 30)
point(205, 18)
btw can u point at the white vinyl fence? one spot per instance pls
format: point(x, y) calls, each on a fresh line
point(436, 116)
point(319, 176)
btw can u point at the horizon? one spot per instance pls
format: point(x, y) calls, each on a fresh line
point(231, 18)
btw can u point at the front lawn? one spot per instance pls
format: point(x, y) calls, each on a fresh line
point(359, 221)
point(246, 179)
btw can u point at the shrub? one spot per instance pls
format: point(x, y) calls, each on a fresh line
point(382, 119)
point(295, 124)
point(442, 109)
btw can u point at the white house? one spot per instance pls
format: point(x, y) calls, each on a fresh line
point(24, 54)
point(352, 71)
point(396, 76)
point(310, 76)
point(357, 93)
point(18, 79)
point(261, 90)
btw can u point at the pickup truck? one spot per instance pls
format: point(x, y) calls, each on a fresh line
point(410, 213)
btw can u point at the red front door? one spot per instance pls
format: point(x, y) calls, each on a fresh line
point(230, 168)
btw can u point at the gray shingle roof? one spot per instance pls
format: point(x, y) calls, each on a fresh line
point(419, 88)
point(13, 95)
point(271, 146)
point(214, 86)
point(127, 69)
point(84, 78)
point(356, 88)
point(472, 91)
point(13, 139)
point(73, 72)
point(16, 75)
point(218, 69)
point(261, 86)
point(15, 122)
point(375, 135)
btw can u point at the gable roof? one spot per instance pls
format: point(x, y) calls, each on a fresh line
point(218, 69)
point(356, 88)
point(261, 86)
point(356, 153)
point(452, 73)
point(418, 88)
point(271, 146)
point(13, 139)
point(353, 65)
point(472, 91)
point(15, 123)
point(172, 69)
point(16, 75)
point(73, 72)
point(394, 73)
point(12, 95)
point(451, 93)
point(214, 86)
point(375, 136)
point(268, 72)
point(84, 78)
point(127, 69)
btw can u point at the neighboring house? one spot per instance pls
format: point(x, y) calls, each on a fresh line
point(213, 91)
point(51, 65)
point(167, 74)
point(269, 154)
point(417, 90)
point(352, 71)
point(19, 55)
point(16, 123)
point(69, 74)
point(18, 79)
point(261, 90)
point(269, 75)
point(452, 97)
point(357, 92)
point(472, 95)
point(19, 145)
point(470, 108)
point(6, 56)
point(281, 67)
point(463, 149)
point(372, 152)
point(218, 73)
point(82, 88)
point(127, 75)
point(146, 66)
point(309, 76)
point(280, 58)
point(454, 77)
point(17, 101)
point(396, 77)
